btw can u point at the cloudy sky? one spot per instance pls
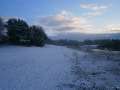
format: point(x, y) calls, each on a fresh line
point(66, 16)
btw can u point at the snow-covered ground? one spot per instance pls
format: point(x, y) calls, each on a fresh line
point(57, 68)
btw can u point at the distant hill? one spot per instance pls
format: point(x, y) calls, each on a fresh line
point(82, 37)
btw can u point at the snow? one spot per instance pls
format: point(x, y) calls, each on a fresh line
point(97, 70)
point(32, 68)
point(56, 68)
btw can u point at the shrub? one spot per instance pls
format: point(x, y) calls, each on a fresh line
point(110, 44)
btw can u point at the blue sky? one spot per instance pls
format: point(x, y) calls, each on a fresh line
point(76, 15)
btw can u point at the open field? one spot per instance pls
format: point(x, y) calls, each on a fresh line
point(58, 68)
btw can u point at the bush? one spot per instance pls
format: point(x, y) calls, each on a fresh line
point(110, 44)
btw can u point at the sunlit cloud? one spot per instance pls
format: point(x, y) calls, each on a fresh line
point(65, 22)
point(113, 28)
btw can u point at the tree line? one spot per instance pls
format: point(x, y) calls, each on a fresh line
point(20, 33)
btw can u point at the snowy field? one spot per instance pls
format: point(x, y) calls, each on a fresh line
point(58, 68)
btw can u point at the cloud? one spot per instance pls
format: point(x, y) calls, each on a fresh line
point(94, 9)
point(65, 22)
point(6, 18)
point(93, 14)
point(113, 28)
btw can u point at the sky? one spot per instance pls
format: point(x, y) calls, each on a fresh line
point(66, 16)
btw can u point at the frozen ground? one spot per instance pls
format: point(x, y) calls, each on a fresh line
point(57, 68)
point(96, 70)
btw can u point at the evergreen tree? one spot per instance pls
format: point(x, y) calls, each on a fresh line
point(1, 27)
point(37, 35)
point(17, 30)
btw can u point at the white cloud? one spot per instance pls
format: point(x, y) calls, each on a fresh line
point(6, 18)
point(113, 28)
point(65, 22)
point(94, 9)
point(92, 14)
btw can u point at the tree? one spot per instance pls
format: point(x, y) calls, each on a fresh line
point(1, 27)
point(37, 35)
point(17, 30)
point(20, 33)
point(3, 37)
